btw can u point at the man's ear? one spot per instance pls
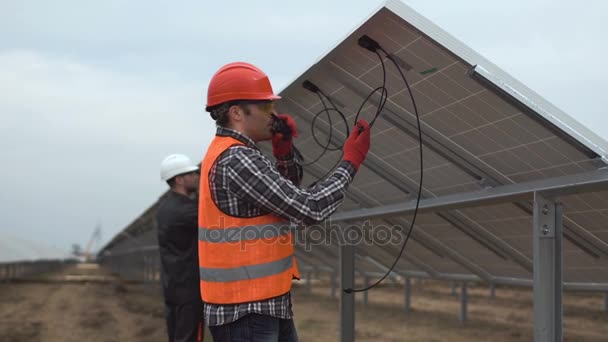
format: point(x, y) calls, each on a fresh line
point(235, 113)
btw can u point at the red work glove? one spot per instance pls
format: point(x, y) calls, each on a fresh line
point(281, 146)
point(357, 144)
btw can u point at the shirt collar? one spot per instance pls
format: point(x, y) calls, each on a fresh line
point(229, 132)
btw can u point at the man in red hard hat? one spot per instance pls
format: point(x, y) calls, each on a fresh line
point(246, 256)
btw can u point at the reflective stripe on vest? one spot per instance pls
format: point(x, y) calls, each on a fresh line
point(246, 272)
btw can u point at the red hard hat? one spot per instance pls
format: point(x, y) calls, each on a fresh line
point(239, 81)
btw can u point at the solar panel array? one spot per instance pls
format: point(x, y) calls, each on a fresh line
point(13, 249)
point(481, 128)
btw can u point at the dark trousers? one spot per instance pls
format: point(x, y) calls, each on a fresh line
point(185, 321)
point(256, 328)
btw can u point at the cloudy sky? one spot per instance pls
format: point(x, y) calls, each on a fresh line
point(93, 94)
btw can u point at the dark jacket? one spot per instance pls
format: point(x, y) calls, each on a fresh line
point(177, 219)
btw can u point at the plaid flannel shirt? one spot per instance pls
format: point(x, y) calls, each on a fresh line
point(244, 183)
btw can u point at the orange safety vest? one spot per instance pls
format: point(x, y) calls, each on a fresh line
point(240, 259)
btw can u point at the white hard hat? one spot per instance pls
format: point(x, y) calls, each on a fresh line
point(174, 165)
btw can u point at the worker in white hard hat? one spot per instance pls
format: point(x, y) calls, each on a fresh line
point(177, 219)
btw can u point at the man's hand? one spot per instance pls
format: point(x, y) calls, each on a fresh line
point(281, 144)
point(357, 144)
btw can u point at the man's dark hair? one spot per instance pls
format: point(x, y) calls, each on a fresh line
point(219, 113)
point(171, 182)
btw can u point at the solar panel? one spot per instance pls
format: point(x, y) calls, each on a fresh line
point(481, 129)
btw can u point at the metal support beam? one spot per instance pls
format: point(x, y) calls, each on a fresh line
point(347, 300)
point(454, 255)
point(605, 302)
point(580, 236)
point(463, 302)
point(363, 255)
point(558, 186)
point(486, 238)
point(408, 294)
point(493, 290)
point(457, 277)
point(574, 233)
point(548, 279)
point(452, 288)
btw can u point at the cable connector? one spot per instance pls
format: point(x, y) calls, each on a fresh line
point(310, 86)
point(368, 43)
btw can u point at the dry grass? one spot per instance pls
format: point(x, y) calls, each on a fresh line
point(114, 311)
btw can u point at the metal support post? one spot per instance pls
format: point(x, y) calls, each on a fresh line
point(453, 288)
point(308, 282)
point(408, 294)
point(145, 269)
point(142, 267)
point(605, 302)
point(347, 300)
point(463, 302)
point(548, 279)
point(149, 268)
point(155, 268)
point(365, 294)
point(493, 290)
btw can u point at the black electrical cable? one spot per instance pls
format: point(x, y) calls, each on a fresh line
point(349, 290)
point(329, 139)
point(383, 95)
point(325, 147)
point(371, 45)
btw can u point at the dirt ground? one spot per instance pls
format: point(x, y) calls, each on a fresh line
point(87, 304)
